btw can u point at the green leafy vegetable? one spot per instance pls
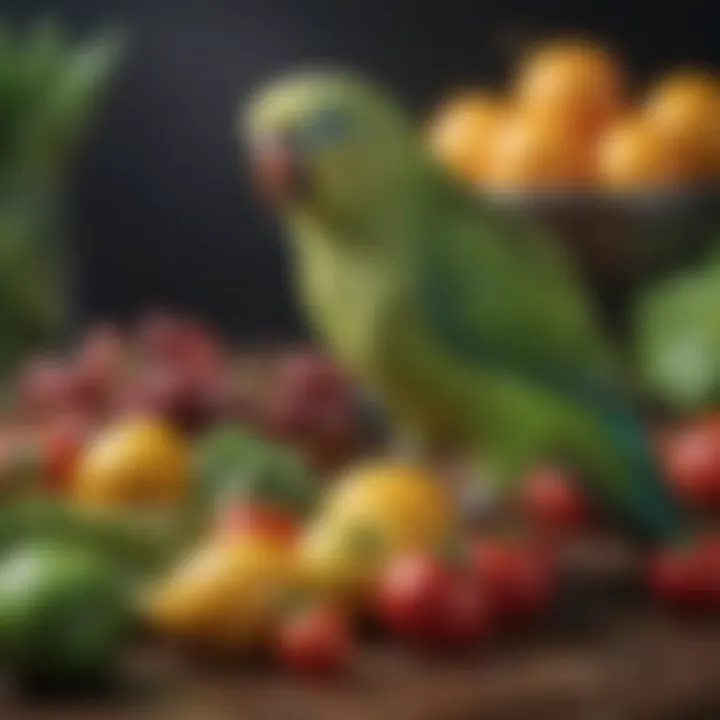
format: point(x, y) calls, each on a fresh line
point(233, 464)
point(678, 339)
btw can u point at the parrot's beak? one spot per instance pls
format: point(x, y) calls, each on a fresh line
point(276, 172)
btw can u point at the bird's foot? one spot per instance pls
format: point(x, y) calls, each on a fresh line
point(411, 448)
point(475, 492)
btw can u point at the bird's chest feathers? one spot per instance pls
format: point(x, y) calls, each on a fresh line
point(347, 293)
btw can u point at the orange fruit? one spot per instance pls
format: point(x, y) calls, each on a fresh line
point(685, 107)
point(576, 83)
point(462, 131)
point(635, 154)
point(533, 152)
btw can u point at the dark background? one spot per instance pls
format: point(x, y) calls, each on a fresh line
point(162, 211)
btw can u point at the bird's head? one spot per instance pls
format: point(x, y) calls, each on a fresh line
point(326, 143)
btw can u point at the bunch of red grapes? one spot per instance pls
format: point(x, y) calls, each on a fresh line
point(180, 370)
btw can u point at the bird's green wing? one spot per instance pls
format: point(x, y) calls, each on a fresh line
point(500, 296)
point(497, 289)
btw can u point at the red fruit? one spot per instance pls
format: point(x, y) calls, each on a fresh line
point(160, 334)
point(467, 613)
point(45, 387)
point(169, 392)
point(708, 562)
point(317, 641)
point(312, 408)
point(98, 366)
point(551, 500)
point(61, 445)
point(426, 604)
point(102, 351)
point(693, 462)
point(225, 401)
point(676, 575)
point(169, 339)
point(243, 519)
point(203, 360)
point(306, 375)
point(519, 581)
point(130, 399)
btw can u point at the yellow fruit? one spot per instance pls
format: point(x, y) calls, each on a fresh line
point(225, 595)
point(635, 155)
point(339, 558)
point(411, 499)
point(373, 513)
point(685, 107)
point(462, 132)
point(135, 464)
point(533, 152)
point(575, 83)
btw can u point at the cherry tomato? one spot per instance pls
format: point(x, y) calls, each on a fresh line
point(316, 641)
point(692, 457)
point(426, 604)
point(676, 576)
point(244, 519)
point(708, 562)
point(61, 445)
point(519, 581)
point(551, 500)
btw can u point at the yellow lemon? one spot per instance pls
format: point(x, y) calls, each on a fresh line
point(142, 464)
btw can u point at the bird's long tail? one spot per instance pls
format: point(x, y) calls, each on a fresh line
point(645, 498)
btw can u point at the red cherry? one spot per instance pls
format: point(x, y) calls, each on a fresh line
point(429, 605)
point(315, 642)
point(550, 498)
point(676, 576)
point(520, 581)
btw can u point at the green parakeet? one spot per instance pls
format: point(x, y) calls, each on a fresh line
point(468, 322)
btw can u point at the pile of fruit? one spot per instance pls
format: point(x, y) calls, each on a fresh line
point(569, 121)
point(155, 479)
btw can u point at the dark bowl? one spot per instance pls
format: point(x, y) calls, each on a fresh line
point(621, 242)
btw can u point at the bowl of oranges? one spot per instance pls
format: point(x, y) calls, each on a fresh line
point(629, 180)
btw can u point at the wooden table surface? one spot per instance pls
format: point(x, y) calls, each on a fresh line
point(609, 664)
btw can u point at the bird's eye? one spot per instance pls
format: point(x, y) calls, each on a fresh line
point(325, 129)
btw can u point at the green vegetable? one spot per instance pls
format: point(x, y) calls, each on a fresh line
point(678, 339)
point(139, 546)
point(231, 462)
point(49, 90)
point(65, 614)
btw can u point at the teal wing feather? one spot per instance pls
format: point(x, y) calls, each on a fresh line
point(498, 294)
